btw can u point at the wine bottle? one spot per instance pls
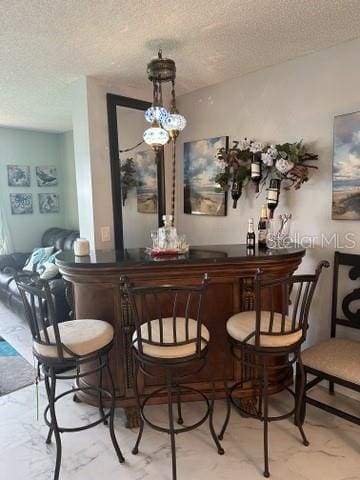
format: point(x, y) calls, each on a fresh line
point(250, 237)
point(256, 170)
point(273, 195)
point(236, 190)
point(263, 227)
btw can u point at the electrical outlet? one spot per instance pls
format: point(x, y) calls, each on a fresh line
point(105, 234)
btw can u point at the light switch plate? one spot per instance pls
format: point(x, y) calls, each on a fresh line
point(105, 234)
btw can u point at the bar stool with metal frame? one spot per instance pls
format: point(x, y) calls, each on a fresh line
point(60, 347)
point(266, 342)
point(169, 334)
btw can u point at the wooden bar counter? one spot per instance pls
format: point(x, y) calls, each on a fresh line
point(97, 293)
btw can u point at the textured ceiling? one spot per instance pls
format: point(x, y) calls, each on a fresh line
point(47, 44)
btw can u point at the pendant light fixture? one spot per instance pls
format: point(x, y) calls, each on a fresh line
point(165, 125)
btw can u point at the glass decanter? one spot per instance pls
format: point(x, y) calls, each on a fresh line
point(167, 238)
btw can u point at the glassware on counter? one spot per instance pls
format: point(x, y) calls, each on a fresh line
point(154, 234)
point(279, 232)
point(167, 234)
point(166, 241)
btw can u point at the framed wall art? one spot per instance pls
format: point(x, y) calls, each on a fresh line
point(18, 175)
point(49, 203)
point(46, 176)
point(146, 173)
point(200, 169)
point(346, 167)
point(21, 203)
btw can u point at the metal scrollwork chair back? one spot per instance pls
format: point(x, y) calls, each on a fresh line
point(168, 317)
point(40, 312)
point(283, 328)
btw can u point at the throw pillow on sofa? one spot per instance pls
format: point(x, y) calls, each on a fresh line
point(48, 270)
point(38, 255)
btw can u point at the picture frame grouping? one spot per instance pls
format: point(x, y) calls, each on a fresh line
point(21, 203)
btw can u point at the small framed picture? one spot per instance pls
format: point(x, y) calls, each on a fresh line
point(18, 175)
point(46, 176)
point(49, 203)
point(21, 203)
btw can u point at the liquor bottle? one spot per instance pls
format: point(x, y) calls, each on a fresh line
point(250, 237)
point(236, 189)
point(256, 170)
point(273, 195)
point(262, 227)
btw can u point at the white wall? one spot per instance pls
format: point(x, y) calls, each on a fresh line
point(294, 100)
point(83, 167)
point(70, 203)
point(99, 200)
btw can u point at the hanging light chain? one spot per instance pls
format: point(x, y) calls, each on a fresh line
point(173, 192)
point(173, 108)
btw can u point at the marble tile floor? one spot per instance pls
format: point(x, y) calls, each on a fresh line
point(334, 453)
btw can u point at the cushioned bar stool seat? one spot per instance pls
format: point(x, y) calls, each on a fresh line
point(242, 325)
point(82, 337)
point(336, 357)
point(171, 351)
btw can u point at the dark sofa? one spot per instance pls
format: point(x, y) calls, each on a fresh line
point(61, 239)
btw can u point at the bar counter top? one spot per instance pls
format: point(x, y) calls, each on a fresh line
point(137, 257)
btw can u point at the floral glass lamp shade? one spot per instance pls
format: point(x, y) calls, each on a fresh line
point(174, 123)
point(155, 136)
point(156, 114)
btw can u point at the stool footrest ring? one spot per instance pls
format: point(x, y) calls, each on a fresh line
point(258, 415)
point(83, 427)
point(176, 430)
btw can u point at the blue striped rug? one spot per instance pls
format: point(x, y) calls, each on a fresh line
point(6, 350)
point(15, 371)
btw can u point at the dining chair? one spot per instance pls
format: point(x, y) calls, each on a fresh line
point(337, 359)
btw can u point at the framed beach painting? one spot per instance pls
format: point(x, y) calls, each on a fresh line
point(146, 173)
point(346, 167)
point(21, 203)
point(200, 169)
point(18, 175)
